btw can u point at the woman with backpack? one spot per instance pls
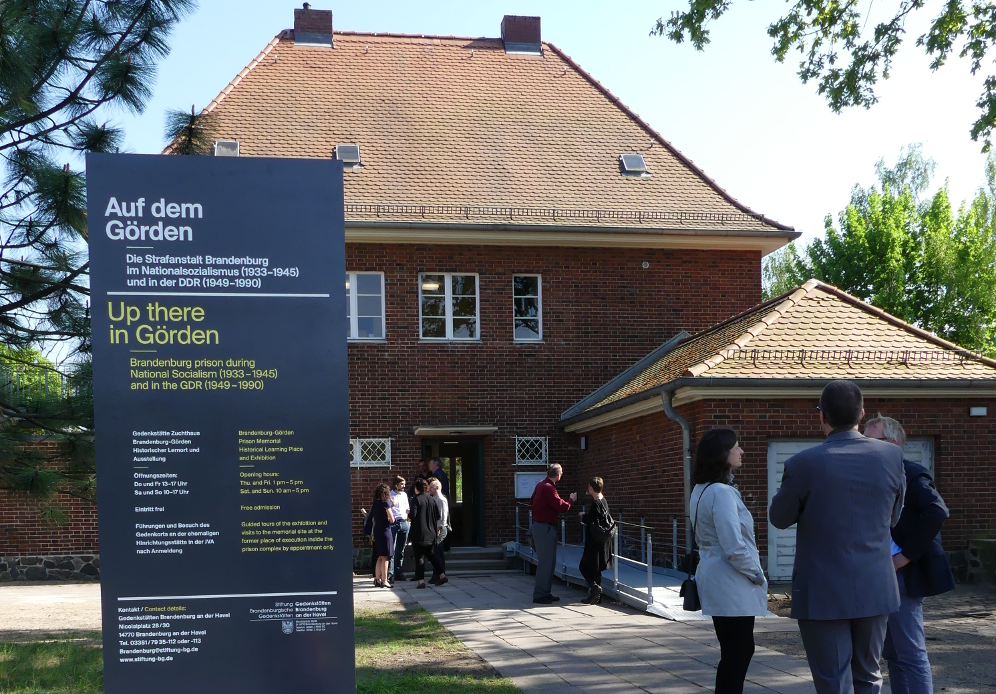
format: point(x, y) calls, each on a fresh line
point(597, 555)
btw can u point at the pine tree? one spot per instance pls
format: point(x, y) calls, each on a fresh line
point(64, 64)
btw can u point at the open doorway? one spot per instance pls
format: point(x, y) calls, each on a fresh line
point(463, 463)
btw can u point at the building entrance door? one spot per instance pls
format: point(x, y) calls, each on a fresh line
point(463, 463)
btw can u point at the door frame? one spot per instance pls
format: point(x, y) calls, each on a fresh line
point(478, 445)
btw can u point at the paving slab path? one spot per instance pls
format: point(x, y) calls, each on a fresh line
point(569, 647)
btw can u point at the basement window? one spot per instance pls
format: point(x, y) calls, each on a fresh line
point(370, 452)
point(349, 155)
point(531, 450)
point(633, 165)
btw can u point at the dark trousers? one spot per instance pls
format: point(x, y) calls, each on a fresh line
point(588, 566)
point(736, 647)
point(423, 552)
point(439, 566)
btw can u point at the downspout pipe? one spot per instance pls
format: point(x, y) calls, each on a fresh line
point(686, 462)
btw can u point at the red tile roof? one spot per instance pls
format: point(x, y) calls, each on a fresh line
point(458, 125)
point(814, 332)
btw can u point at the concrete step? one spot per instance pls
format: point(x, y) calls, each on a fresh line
point(477, 553)
point(455, 564)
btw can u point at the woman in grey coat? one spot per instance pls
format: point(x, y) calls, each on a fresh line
point(730, 581)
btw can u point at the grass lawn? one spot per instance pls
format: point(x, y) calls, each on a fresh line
point(62, 665)
point(397, 651)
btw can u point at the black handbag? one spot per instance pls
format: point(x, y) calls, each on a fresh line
point(601, 528)
point(689, 590)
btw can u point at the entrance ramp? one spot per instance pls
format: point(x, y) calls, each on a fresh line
point(650, 588)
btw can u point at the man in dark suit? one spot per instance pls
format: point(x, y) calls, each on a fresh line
point(845, 495)
point(922, 568)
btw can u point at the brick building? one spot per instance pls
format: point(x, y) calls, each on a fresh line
point(515, 237)
point(761, 373)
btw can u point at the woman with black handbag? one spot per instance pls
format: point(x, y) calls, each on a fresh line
point(730, 582)
point(597, 555)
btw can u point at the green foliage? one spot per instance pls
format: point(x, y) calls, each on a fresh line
point(52, 666)
point(63, 65)
point(188, 133)
point(846, 58)
point(922, 261)
point(781, 272)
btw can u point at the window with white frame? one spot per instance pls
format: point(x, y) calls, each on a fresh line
point(531, 450)
point(370, 452)
point(365, 305)
point(527, 310)
point(448, 306)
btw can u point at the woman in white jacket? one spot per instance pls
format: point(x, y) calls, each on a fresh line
point(731, 583)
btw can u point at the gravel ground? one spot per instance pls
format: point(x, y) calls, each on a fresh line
point(30, 610)
point(961, 639)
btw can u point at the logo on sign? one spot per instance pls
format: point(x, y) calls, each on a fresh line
point(287, 626)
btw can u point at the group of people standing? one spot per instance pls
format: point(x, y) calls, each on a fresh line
point(868, 550)
point(547, 505)
point(420, 516)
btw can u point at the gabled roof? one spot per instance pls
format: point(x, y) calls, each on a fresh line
point(456, 130)
point(813, 333)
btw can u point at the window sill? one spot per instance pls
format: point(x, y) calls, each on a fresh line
point(528, 342)
point(367, 339)
point(447, 341)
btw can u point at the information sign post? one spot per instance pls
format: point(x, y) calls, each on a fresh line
point(220, 388)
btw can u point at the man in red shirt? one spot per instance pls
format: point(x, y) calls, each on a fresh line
point(547, 506)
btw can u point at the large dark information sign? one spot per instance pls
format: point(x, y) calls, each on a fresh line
point(219, 355)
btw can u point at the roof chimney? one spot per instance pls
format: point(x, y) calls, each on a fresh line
point(521, 34)
point(313, 27)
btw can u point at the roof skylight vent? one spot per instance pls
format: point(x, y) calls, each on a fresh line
point(226, 148)
point(349, 155)
point(633, 165)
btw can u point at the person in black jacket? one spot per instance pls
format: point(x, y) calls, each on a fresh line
point(424, 529)
point(597, 543)
point(922, 569)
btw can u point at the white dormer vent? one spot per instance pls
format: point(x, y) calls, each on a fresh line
point(349, 155)
point(226, 148)
point(633, 165)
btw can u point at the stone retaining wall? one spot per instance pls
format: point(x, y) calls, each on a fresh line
point(54, 568)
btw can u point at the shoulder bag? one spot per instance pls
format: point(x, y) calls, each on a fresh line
point(602, 527)
point(689, 590)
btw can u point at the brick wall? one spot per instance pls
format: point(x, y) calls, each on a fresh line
point(24, 531)
point(641, 459)
point(602, 311)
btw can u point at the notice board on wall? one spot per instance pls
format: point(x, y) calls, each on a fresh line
point(222, 433)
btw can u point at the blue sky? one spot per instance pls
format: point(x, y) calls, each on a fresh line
point(746, 120)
